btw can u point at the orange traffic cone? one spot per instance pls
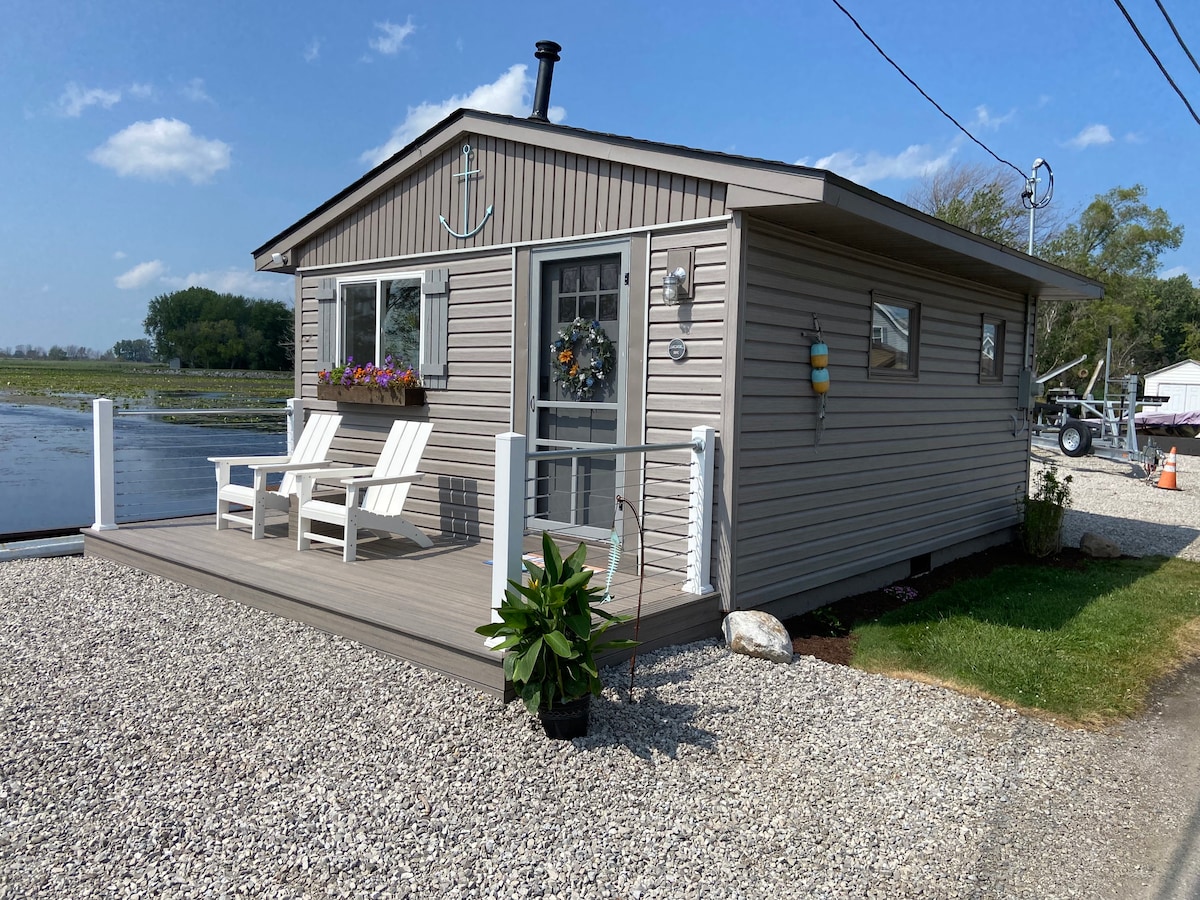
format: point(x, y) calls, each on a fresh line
point(1167, 479)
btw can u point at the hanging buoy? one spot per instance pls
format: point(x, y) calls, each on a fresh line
point(820, 380)
point(818, 356)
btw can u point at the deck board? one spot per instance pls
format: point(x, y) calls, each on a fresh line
point(419, 605)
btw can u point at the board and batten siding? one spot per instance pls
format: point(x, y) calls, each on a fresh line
point(536, 194)
point(682, 395)
point(457, 495)
point(904, 466)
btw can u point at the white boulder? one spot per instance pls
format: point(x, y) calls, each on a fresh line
point(757, 634)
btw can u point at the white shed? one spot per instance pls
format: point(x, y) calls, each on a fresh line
point(1180, 382)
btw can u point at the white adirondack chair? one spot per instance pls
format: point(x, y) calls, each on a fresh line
point(311, 452)
point(374, 497)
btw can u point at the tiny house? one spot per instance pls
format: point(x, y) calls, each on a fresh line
point(587, 289)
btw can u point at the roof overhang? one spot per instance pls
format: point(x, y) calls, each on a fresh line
point(809, 200)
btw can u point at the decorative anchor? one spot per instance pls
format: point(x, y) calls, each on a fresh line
point(465, 175)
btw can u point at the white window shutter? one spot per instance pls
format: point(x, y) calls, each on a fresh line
point(326, 324)
point(435, 317)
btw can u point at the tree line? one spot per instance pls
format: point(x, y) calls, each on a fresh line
point(1117, 239)
point(199, 327)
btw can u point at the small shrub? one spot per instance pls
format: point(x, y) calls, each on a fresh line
point(1041, 533)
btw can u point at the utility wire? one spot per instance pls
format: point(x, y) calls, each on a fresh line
point(1161, 67)
point(926, 96)
point(1178, 36)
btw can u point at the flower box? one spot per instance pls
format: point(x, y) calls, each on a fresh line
point(372, 394)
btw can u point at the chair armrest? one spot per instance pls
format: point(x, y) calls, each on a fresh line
point(332, 476)
point(371, 481)
point(249, 460)
point(285, 466)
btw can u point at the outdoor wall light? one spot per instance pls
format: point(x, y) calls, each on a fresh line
point(279, 259)
point(675, 286)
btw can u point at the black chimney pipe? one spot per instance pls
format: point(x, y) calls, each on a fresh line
point(547, 53)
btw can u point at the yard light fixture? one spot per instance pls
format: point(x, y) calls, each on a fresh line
point(675, 285)
point(279, 259)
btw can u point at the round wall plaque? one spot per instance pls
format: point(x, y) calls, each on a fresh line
point(677, 349)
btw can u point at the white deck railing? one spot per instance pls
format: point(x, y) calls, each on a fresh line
point(105, 454)
point(512, 503)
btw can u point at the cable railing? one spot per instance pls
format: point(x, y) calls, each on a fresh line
point(654, 501)
point(152, 464)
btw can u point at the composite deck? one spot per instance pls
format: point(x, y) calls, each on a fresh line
point(419, 605)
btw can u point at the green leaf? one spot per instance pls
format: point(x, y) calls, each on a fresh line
point(560, 645)
point(552, 557)
point(526, 661)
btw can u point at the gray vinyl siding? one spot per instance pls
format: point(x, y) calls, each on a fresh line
point(457, 496)
point(537, 194)
point(682, 395)
point(904, 466)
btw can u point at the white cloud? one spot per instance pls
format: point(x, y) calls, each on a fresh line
point(237, 281)
point(985, 119)
point(162, 149)
point(312, 51)
point(1092, 136)
point(508, 95)
point(917, 161)
point(142, 91)
point(119, 254)
point(141, 275)
point(75, 99)
point(194, 91)
point(392, 40)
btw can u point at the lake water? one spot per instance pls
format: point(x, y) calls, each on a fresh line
point(46, 480)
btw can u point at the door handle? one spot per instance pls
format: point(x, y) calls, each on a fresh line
point(533, 402)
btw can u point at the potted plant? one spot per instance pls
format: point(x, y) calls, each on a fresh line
point(550, 630)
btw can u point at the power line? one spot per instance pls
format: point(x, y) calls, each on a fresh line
point(1161, 67)
point(1178, 37)
point(925, 95)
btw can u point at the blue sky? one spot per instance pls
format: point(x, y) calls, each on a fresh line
point(148, 146)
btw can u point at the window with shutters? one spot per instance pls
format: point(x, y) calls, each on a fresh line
point(380, 316)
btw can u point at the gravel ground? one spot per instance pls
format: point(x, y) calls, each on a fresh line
point(156, 741)
point(1112, 499)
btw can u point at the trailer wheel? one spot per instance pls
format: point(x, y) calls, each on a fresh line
point(1075, 438)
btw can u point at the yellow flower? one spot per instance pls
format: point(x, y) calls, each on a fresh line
point(565, 356)
point(574, 371)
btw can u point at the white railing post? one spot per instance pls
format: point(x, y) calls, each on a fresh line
point(508, 530)
point(295, 422)
point(103, 465)
point(699, 558)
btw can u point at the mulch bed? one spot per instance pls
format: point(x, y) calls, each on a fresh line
point(827, 633)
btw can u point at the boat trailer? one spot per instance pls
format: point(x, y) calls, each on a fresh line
point(1106, 428)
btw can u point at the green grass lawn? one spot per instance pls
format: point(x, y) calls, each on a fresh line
point(1084, 644)
point(77, 382)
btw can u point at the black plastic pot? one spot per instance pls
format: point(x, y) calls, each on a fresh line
point(566, 720)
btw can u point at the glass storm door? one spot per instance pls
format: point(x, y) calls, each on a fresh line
point(578, 494)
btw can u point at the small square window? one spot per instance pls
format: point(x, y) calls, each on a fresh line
point(991, 350)
point(895, 336)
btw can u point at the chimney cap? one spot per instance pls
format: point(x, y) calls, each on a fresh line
point(548, 50)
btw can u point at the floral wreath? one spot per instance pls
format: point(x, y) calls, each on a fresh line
point(583, 380)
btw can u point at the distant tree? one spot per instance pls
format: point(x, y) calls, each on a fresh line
point(138, 350)
point(985, 200)
point(1117, 240)
point(211, 330)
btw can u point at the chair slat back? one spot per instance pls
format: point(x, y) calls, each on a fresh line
point(312, 447)
point(401, 455)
